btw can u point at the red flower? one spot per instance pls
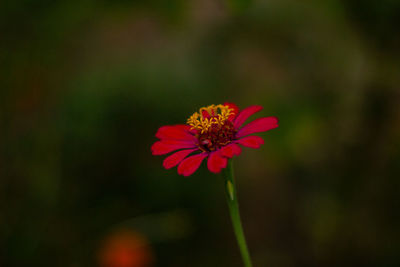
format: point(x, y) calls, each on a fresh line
point(214, 132)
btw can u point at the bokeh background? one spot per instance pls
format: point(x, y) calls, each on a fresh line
point(85, 84)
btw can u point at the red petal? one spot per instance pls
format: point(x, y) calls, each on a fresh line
point(235, 110)
point(189, 165)
point(251, 141)
point(216, 162)
point(231, 150)
point(176, 158)
point(178, 132)
point(258, 125)
point(245, 114)
point(166, 146)
point(182, 126)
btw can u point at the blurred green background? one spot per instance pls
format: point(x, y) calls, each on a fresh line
point(85, 84)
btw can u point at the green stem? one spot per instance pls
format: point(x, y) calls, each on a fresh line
point(230, 190)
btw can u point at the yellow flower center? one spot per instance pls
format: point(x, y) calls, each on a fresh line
point(209, 116)
point(214, 129)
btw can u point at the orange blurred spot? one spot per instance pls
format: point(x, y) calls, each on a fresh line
point(125, 249)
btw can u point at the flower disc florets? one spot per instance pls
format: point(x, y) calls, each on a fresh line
point(214, 129)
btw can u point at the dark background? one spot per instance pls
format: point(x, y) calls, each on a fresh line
point(85, 84)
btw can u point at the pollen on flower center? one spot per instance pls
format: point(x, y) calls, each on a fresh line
point(214, 129)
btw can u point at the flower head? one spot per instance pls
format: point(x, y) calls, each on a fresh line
point(216, 132)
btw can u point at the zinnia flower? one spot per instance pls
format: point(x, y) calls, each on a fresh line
point(215, 132)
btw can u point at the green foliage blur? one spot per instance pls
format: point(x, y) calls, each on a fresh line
point(84, 85)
